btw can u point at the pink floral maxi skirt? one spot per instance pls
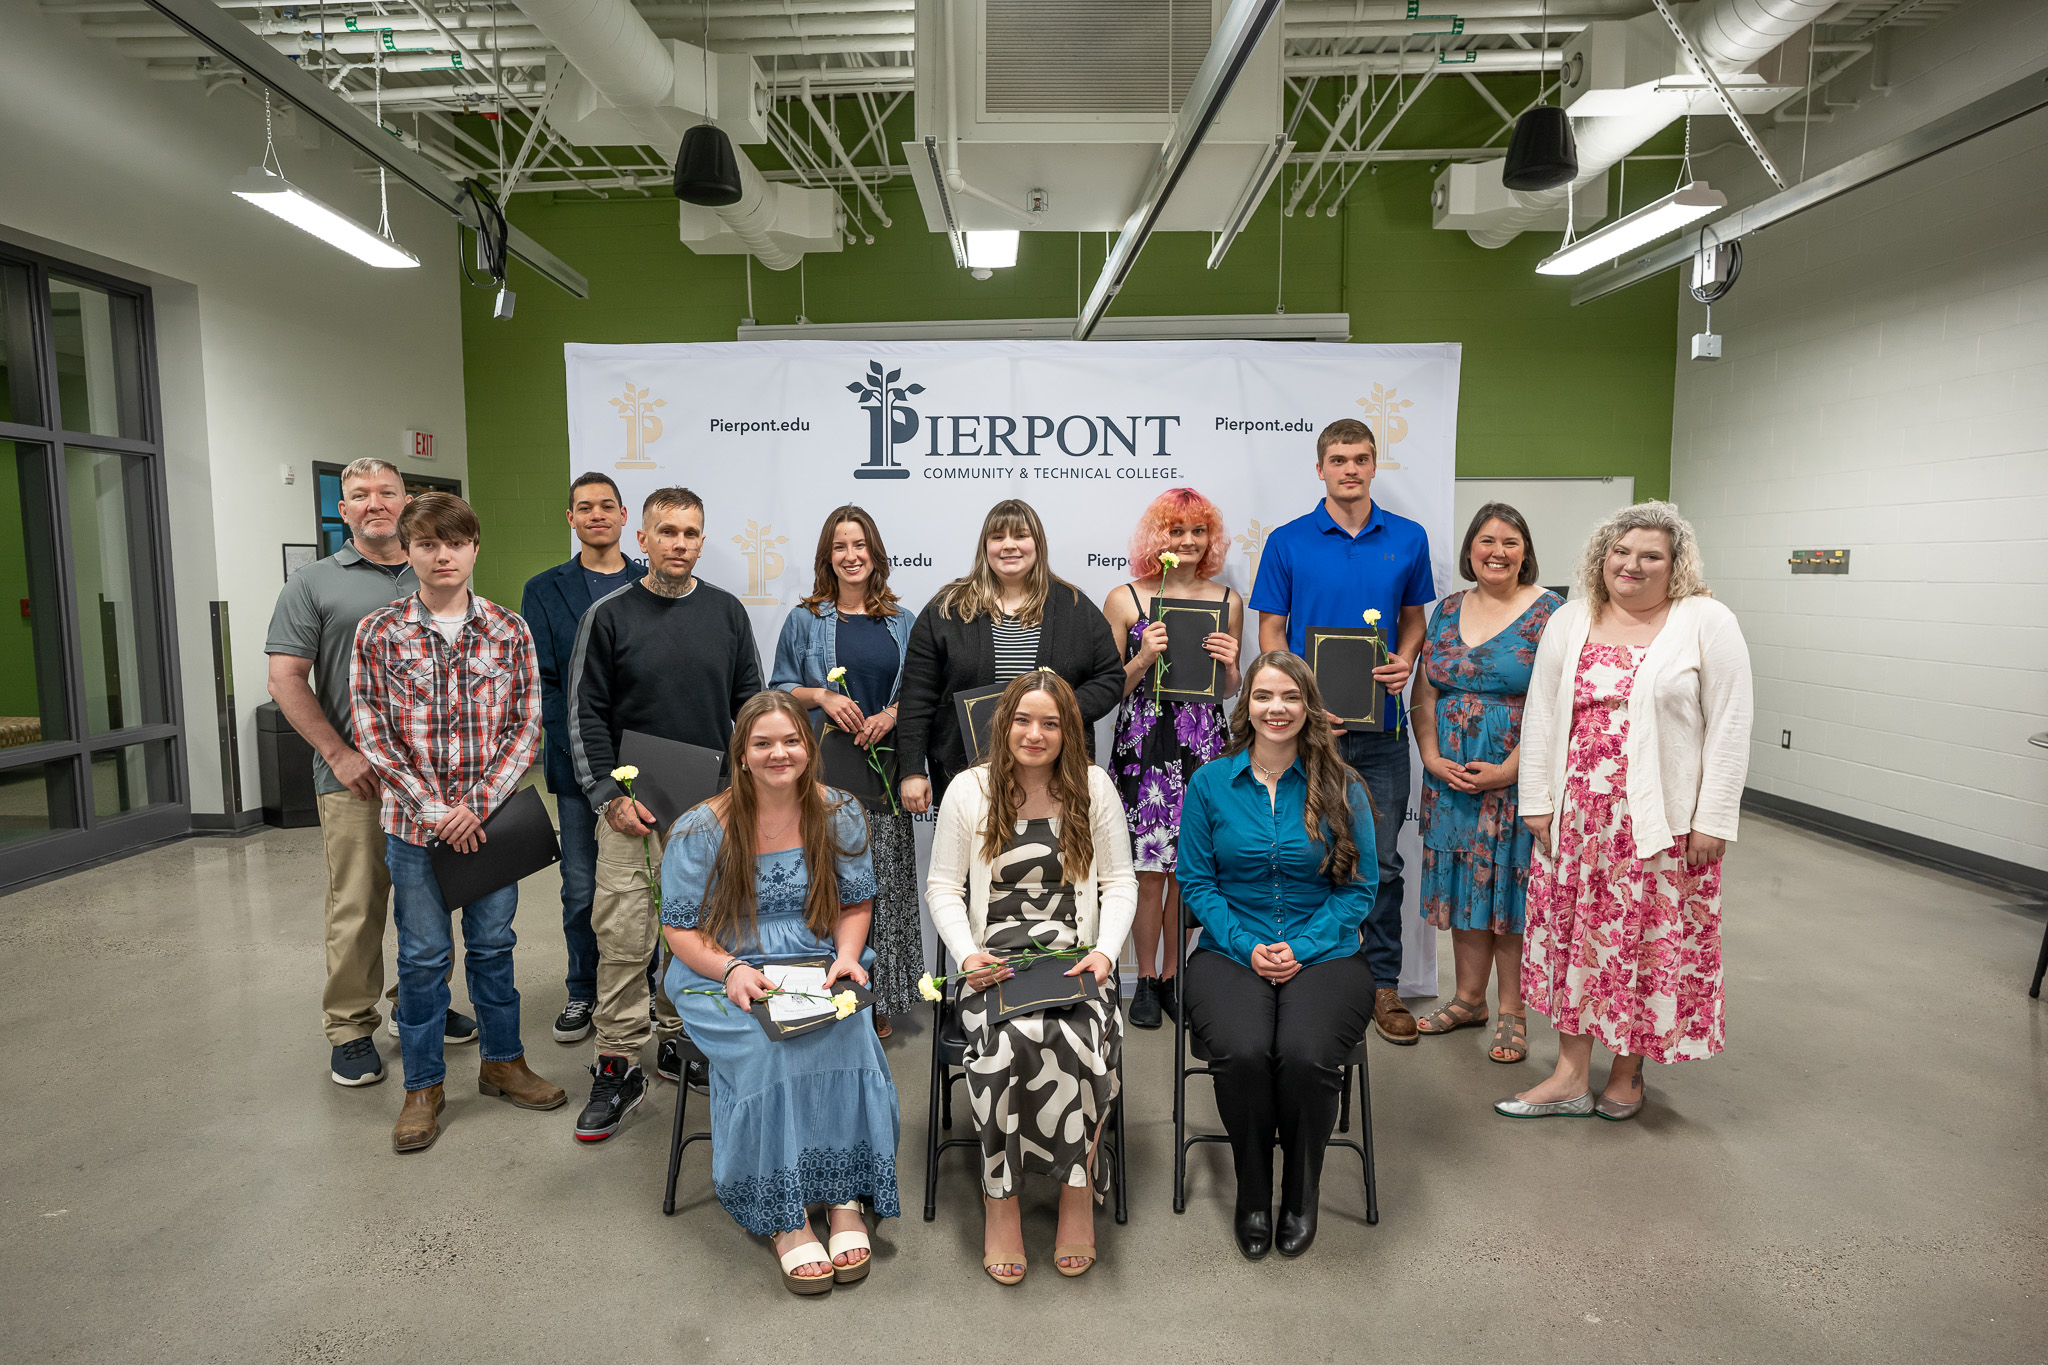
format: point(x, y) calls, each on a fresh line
point(1627, 949)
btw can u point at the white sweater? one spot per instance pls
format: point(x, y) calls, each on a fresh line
point(1688, 723)
point(1105, 902)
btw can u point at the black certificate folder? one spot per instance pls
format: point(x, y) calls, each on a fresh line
point(674, 776)
point(976, 711)
point(519, 840)
point(1191, 673)
point(1343, 658)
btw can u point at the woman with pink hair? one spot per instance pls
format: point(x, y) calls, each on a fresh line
point(1176, 551)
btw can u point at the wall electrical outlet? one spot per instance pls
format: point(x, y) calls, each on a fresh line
point(1784, 739)
point(286, 473)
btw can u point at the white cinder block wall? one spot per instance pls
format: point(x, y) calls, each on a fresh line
point(1885, 391)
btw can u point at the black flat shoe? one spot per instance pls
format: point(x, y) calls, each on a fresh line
point(1144, 1011)
point(1297, 1231)
point(1254, 1233)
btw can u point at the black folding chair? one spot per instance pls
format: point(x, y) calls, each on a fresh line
point(677, 1142)
point(949, 1054)
point(1183, 1140)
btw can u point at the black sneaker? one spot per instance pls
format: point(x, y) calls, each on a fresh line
point(572, 1025)
point(1169, 997)
point(1145, 1004)
point(615, 1092)
point(668, 1060)
point(356, 1062)
point(458, 1028)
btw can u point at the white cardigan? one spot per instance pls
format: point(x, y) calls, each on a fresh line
point(1105, 902)
point(1688, 723)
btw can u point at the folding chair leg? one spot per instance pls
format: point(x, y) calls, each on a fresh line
point(1344, 1103)
point(2040, 968)
point(1372, 1184)
point(1118, 1166)
point(931, 1130)
point(675, 1147)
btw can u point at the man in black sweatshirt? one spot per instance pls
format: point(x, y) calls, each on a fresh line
point(672, 656)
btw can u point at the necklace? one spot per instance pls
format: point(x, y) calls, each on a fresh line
point(1266, 774)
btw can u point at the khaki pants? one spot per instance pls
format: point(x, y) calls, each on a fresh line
point(358, 903)
point(623, 918)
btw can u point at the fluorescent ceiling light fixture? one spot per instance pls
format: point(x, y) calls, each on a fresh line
point(275, 194)
point(996, 250)
point(1686, 204)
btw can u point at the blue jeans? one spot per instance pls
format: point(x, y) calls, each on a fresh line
point(579, 885)
point(1381, 758)
point(426, 943)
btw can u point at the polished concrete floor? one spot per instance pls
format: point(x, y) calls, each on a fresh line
point(1860, 1177)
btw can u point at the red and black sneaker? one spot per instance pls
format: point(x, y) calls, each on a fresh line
point(616, 1091)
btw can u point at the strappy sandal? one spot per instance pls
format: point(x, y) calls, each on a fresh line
point(1510, 1035)
point(850, 1241)
point(1084, 1252)
point(807, 1253)
point(881, 1024)
point(1452, 1017)
point(989, 1263)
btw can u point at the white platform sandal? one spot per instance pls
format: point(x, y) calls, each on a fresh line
point(850, 1241)
point(806, 1253)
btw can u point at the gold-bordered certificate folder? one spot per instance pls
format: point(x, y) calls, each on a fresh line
point(1343, 658)
point(1044, 985)
point(976, 711)
point(1192, 673)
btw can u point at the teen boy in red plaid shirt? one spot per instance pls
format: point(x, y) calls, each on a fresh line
point(445, 696)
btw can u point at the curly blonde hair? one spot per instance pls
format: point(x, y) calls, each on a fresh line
point(1688, 575)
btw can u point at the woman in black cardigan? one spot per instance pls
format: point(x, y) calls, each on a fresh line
point(1010, 614)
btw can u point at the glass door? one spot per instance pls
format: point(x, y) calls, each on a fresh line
point(91, 744)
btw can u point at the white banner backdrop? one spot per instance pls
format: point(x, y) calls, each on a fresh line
point(927, 435)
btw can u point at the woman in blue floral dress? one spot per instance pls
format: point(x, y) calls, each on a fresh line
point(1176, 551)
point(1478, 652)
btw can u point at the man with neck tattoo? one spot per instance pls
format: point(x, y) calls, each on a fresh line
point(671, 656)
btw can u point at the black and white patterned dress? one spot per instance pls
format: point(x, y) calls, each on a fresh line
point(1039, 1084)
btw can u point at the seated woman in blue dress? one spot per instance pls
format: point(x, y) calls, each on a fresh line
point(777, 868)
point(1278, 992)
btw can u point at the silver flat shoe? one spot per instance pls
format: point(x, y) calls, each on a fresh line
point(1609, 1109)
point(1580, 1108)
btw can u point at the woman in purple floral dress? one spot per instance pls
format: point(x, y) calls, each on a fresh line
point(1477, 653)
point(1176, 551)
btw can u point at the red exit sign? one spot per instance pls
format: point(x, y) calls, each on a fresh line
point(419, 445)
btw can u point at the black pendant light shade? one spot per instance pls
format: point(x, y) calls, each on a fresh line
point(707, 171)
point(1541, 156)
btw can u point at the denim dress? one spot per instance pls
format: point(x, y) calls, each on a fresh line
point(813, 1119)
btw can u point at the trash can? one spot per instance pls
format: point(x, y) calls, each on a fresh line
point(286, 762)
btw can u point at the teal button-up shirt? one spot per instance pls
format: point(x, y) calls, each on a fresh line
point(1250, 873)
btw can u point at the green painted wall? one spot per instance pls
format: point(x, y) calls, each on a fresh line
point(1546, 389)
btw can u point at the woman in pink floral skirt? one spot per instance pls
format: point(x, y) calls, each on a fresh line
point(1635, 745)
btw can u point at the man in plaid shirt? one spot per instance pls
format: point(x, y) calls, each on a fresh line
point(445, 697)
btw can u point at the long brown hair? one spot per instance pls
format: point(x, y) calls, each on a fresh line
point(1327, 813)
point(729, 904)
point(979, 594)
point(1069, 784)
point(880, 602)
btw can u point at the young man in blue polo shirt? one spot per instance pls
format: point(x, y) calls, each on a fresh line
point(1327, 569)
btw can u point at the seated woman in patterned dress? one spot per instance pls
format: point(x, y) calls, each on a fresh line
point(1032, 853)
point(777, 868)
point(1477, 653)
point(1177, 551)
point(1635, 746)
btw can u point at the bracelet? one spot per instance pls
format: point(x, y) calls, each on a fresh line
point(730, 963)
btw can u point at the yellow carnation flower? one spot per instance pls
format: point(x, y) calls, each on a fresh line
point(1372, 616)
point(929, 989)
point(846, 1003)
point(625, 773)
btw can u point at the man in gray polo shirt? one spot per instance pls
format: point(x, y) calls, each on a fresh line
point(312, 641)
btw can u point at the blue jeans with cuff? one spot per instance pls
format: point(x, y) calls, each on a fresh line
point(1382, 758)
point(426, 944)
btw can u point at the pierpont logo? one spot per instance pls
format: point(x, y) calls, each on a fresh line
point(891, 422)
point(643, 428)
point(1383, 414)
point(764, 566)
point(1253, 543)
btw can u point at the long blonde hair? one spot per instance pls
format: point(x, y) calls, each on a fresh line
point(1069, 784)
point(1327, 812)
point(979, 594)
point(1688, 574)
point(730, 909)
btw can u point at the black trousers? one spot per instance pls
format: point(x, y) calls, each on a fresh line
point(1278, 1053)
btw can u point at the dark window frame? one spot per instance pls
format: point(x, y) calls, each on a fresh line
point(91, 837)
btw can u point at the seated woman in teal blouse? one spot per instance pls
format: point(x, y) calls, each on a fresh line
point(1278, 991)
point(777, 868)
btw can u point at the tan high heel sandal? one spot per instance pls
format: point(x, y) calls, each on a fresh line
point(989, 1263)
point(1078, 1251)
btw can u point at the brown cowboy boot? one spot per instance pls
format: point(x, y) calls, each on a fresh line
point(419, 1122)
point(1392, 1018)
point(517, 1083)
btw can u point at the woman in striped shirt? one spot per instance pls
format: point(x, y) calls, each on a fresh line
point(1008, 614)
